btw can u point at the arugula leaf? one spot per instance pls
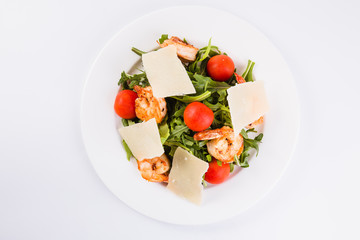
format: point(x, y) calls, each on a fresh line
point(129, 122)
point(125, 122)
point(198, 98)
point(259, 137)
point(127, 150)
point(202, 83)
point(178, 131)
point(213, 107)
point(244, 159)
point(202, 57)
point(180, 111)
point(203, 181)
point(248, 145)
point(163, 38)
point(222, 95)
point(231, 167)
point(174, 145)
point(186, 141)
point(206, 53)
point(164, 131)
point(244, 133)
point(222, 117)
point(247, 75)
point(137, 51)
point(128, 81)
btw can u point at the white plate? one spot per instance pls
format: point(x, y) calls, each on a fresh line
point(241, 42)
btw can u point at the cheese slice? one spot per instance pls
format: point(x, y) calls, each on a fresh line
point(247, 103)
point(143, 139)
point(166, 74)
point(186, 176)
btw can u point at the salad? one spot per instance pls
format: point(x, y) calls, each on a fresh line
point(199, 123)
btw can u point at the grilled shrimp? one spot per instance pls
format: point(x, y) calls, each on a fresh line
point(255, 123)
point(184, 50)
point(223, 144)
point(147, 106)
point(155, 169)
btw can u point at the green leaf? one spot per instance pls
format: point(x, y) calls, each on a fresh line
point(164, 131)
point(213, 107)
point(236, 160)
point(202, 57)
point(252, 144)
point(163, 38)
point(137, 51)
point(206, 54)
point(202, 83)
point(124, 122)
point(129, 122)
point(247, 75)
point(129, 81)
point(203, 181)
point(251, 130)
point(222, 95)
point(244, 159)
point(187, 142)
point(249, 144)
point(178, 131)
point(180, 112)
point(202, 143)
point(244, 133)
point(127, 150)
point(177, 144)
point(259, 137)
point(197, 98)
point(219, 163)
point(231, 167)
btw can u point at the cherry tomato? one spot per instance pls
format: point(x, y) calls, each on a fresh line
point(125, 104)
point(217, 174)
point(220, 68)
point(239, 78)
point(198, 116)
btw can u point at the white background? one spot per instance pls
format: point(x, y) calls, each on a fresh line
point(48, 188)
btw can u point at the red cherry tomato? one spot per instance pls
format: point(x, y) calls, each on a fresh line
point(198, 116)
point(125, 104)
point(220, 68)
point(217, 174)
point(239, 78)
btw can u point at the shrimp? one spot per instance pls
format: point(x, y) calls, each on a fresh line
point(223, 144)
point(147, 106)
point(184, 50)
point(255, 123)
point(155, 169)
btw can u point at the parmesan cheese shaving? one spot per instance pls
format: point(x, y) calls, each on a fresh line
point(166, 74)
point(186, 176)
point(247, 103)
point(143, 139)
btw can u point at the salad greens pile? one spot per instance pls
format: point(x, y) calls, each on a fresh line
point(173, 130)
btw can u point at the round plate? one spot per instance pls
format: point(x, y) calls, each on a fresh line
point(241, 42)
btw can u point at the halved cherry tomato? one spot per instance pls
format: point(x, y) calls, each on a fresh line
point(239, 78)
point(198, 116)
point(124, 105)
point(217, 174)
point(220, 68)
